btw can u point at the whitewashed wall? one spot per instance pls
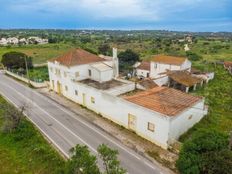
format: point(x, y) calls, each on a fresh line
point(141, 72)
point(117, 110)
point(161, 80)
point(186, 65)
point(161, 68)
point(180, 124)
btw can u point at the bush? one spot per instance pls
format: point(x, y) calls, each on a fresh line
point(127, 59)
point(206, 152)
point(193, 56)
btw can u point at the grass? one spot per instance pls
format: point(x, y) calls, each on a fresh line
point(26, 151)
point(39, 53)
point(39, 74)
point(218, 95)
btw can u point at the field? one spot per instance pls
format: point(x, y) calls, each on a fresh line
point(218, 97)
point(26, 151)
point(39, 53)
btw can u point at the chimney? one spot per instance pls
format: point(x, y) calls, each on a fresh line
point(115, 62)
point(115, 53)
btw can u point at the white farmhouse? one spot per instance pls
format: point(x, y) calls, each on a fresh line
point(157, 67)
point(160, 114)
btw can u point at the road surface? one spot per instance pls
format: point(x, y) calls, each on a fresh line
point(65, 129)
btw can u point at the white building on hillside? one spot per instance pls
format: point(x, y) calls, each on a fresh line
point(156, 68)
point(3, 41)
point(12, 40)
point(160, 114)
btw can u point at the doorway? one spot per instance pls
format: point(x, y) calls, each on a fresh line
point(132, 122)
point(59, 88)
point(84, 99)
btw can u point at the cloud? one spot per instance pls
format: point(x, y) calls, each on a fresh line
point(100, 13)
point(148, 10)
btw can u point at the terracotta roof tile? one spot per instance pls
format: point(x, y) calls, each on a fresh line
point(172, 60)
point(145, 66)
point(77, 57)
point(228, 64)
point(164, 100)
point(183, 77)
point(148, 83)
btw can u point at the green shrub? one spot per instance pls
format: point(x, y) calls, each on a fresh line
point(206, 152)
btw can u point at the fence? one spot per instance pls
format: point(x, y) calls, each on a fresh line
point(24, 79)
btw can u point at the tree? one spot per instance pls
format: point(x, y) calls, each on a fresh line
point(16, 60)
point(127, 59)
point(82, 162)
point(193, 56)
point(110, 161)
point(104, 49)
point(12, 117)
point(206, 152)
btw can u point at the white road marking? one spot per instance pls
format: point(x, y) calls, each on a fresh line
point(87, 125)
point(90, 127)
point(84, 142)
point(9, 100)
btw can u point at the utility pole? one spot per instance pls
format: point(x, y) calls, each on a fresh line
point(28, 77)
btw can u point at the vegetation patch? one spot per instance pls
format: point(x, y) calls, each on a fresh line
point(24, 150)
point(218, 97)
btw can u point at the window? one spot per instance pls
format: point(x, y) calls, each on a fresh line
point(76, 92)
point(151, 127)
point(66, 88)
point(65, 74)
point(77, 74)
point(92, 100)
point(57, 71)
point(155, 65)
point(90, 73)
point(51, 69)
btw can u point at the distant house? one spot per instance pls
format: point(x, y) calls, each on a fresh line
point(158, 66)
point(12, 40)
point(186, 47)
point(3, 41)
point(37, 40)
point(158, 114)
point(228, 66)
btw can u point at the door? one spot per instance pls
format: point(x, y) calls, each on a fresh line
point(84, 99)
point(53, 84)
point(132, 122)
point(59, 88)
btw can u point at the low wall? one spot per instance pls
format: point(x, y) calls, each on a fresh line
point(118, 110)
point(34, 84)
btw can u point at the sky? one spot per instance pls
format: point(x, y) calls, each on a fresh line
point(178, 15)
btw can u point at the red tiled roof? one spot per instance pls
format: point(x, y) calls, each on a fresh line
point(172, 60)
point(184, 77)
point(167, 101)
point(228, 64)
point(77, 57)
point(145, 66)
point(148, 83)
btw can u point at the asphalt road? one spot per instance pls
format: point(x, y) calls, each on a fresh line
point(66, 129)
